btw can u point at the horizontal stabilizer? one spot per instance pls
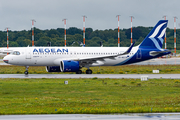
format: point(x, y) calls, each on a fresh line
point(154, 53)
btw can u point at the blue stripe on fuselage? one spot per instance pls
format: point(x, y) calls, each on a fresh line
point(141, 55)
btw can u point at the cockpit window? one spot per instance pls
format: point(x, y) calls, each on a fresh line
point(16, 53)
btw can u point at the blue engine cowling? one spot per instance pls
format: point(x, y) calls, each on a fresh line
point(69, 66)
point(53, 69)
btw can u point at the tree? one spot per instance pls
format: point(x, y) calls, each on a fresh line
point(3, 43)
point(20, 41)
point(88, 32)
point(93, 38)
point(53, 33)
point(73, 31)
point(43, 41)
point(95, 41)
point(78, 38)
point(13, 44)
point(136, 33)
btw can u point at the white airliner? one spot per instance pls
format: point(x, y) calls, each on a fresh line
point(72, 59)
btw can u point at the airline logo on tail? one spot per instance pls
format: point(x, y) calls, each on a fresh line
point(158, 38)
point(155, 38)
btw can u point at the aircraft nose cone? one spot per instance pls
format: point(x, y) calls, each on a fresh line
point(5, 59)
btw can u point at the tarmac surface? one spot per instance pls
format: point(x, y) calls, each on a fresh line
point(145, 116)
point(67, 76)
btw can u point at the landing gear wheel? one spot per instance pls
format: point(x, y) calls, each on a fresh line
point(26, 72)
point(79, 72)
point(88, 71)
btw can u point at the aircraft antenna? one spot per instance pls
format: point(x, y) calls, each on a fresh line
point(84, 30)
point(33, 31)
point(165, 33)
point(64, 31)
point(7, 39)
point(131, 28)
point(175, 35)
point(118, 31)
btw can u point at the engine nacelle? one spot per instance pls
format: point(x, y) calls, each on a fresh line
point(53, 69)
point(69, 66)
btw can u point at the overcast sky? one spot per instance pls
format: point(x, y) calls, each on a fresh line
point(101, 14)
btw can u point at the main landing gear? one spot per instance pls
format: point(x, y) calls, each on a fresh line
point(79, 72)
point(26, 72)
point(88, 71)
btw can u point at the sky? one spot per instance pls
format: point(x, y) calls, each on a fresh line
point(101, 14)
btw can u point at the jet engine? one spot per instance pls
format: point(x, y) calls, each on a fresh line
point(53, 69)
point(69, 66)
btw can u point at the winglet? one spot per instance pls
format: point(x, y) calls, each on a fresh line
point(129, 49)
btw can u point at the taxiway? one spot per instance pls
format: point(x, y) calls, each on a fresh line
point(116, 76)
point(130, 116)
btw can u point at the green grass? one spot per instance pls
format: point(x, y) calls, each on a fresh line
point(90, 96)
point(177, 51)
point(125, 69)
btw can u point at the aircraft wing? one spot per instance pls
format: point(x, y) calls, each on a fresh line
point(90, 60)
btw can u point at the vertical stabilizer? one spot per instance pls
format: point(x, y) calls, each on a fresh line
point(155, 38)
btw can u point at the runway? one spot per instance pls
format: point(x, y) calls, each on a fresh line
point(130, 116)
point(116, 76)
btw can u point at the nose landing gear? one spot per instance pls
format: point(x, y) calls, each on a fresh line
point(26, 72)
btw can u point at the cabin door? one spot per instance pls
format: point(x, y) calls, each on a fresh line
point(28, 54)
